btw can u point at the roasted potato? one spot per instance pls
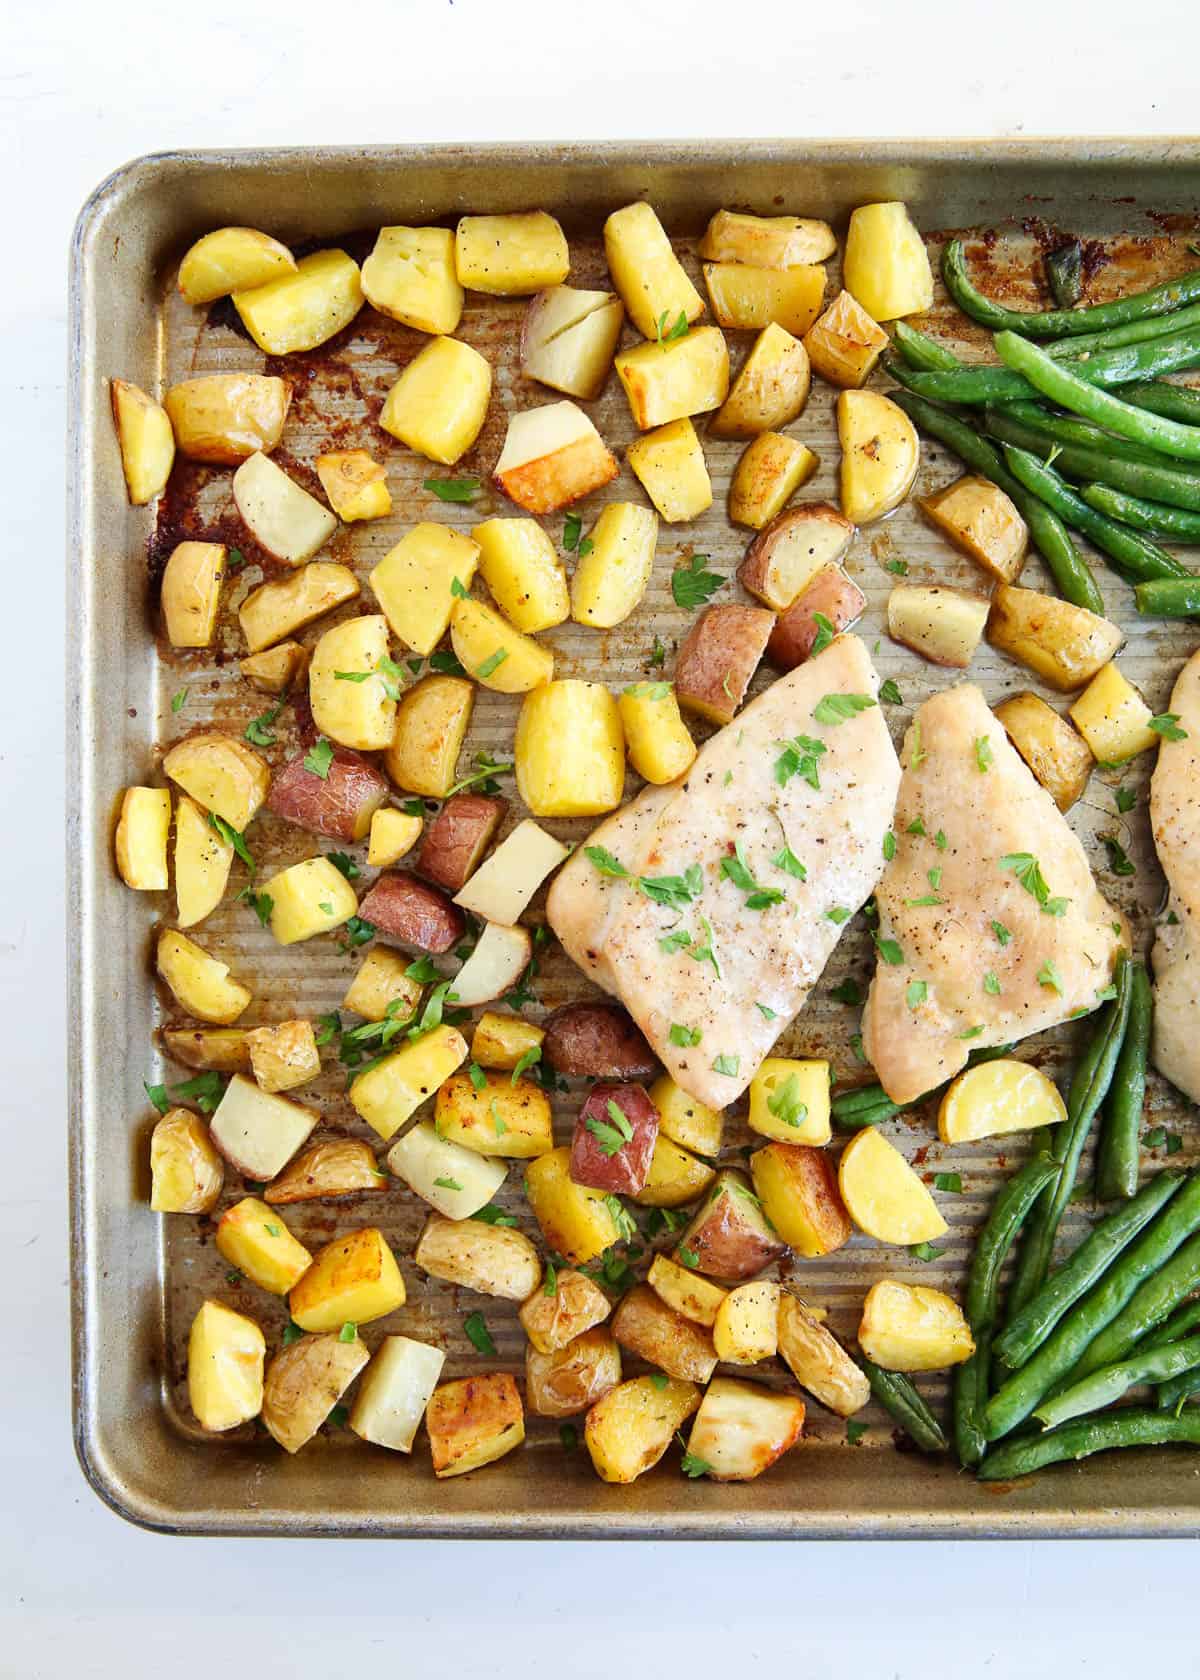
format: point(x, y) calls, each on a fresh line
point(660, 748)
point(647, 1326)
point(200, 984)
point(502, 886)
point(683, 1119)
point(277, 669)
point(457, 838)
point(274, 611)
point(221, 1048)
point(495, 654)
point(382, 984)
point(718, 657)
point(415, 583)
point(337, 1167)
point(745, 296)
point(611, 578)
point(341, 804)
point(818, 1360)
point(596, 1041)
point(744, 1331)
point(284, 520)
point(351, 702)
point(521, 567)
point(410, 276)
point(552, 456)
point(186, 1173)
point(146, 439)
point(1066, 645)
point(355, 484)
point(401, 907)
point(729, 1236)
point(141, 838)
point(388, 1093)
point(783, 559)
point(490, 1259)
point(844, 343)
point(676, 378)
point(670, 464)
point(307, 899)
point(440, 401)
point(789, 1101)
point(305, 307)
point(203, 859)
point(567, 1380)
point(880, 455)
point(1112, 717)
point(945, 626)
point(883, 1195)
point(510, 256)
point(221, 773)
point(613, 1140)
point(800, 1197)
point(771, 388)
point(767, 241)
point(568, 339)
point(191, 593)
point(500, 1041)
point(258, 1132)
point(575, 1222)
point(646, 271)
point(431, 722)
point(628, 1431)
point(771, 469)
point(304, 1382)
point(570, 750)
point(885, 264)
point(226, 1351)
point(907, 1327)
point(284, 1056)
point(231, 259)
point(676, 1176)
point(830, 594)
point(1060, 758)
point(223, 418)
point(474, 1422)
point(393, 835)
point(352, 1280)
point(256, 1240)
point(982, 523)
point(455, 1181)
point(395, 1390)
point(741, 1429)
point(496, 964)
point(564, 1307)
point(498, 1118)
point(998, 1097)
point(685, 1291)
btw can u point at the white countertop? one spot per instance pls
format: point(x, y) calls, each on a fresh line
point(83, 87)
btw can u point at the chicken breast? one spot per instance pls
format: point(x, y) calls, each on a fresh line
point(990, 924)
point(1175, 820)
point(739, 878)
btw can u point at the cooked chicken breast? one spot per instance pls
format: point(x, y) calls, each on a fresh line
point(766, 848)
point(990, 924)
point(1175, 819)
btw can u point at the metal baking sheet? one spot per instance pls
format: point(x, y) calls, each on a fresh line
point(137, 1278)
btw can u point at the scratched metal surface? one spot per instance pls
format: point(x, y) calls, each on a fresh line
point(338, 1484)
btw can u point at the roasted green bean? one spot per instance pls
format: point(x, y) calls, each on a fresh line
point(1176, 402)
point(1154, 1301)
point(1178, 487)
point(921, 351)
point(1169, 597)
point(1110, 1382)
point(897, 1395)
point(1119, 1152)
point(1134, 332)
point(1128, 1427)
point(1176, 524)
point(870, 1105)
point(1057, 323)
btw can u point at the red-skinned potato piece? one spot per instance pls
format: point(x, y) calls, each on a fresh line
point(339, 805)
point(602, 1157)
point(799, 1190)
point(791, 550)
point(729, 1236)
point(596, 1041)
point(409, 911)
point(457, 838)
point(718, 657)
point(832, 594)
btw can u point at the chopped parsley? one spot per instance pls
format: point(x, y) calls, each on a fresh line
point(916, 993)
point(847, 991)
point(951, 1183)
point(492, 663)
point(855, 1431)
point(528, 1059)
point(490, 1214)
point(348, 1332)
point(1028, 872)
point(232, 838)
point(611, 1138)
point(767, 1013)
point(447, 663)
point(889, 692)
point(261, 903)
point(889, 846)
point(344, 864)
point(890, 951)
point(825, 634)
point(691, 585)
point(648, 691)
point(1048, 975)
point(786, 1104)
point(991, 984)
point(798, 757)
point(484, 774)
point(569, 1436)
point(917, 827)
point(898, 568)
point(357, 932)
point(259, 732)
point(447, 1184)
point(291, 1333)
point(737, 870)
point(925, 1251)
point(458, 589)
point(838, 913)
point(684, 1037)
point(917, 755)
point(940, 840)
point(319, 758)
point(691, 1463)
point(179, 700)
point(452, 489)
point(836, 708)
point(479, 1335)
point(1119, 860)
point(658, 655)
point(664, 333)
point(1166, 724)
point(1002, 933)
point(1126, 799)
point(687, 1258)
point(727, 1065)
point(983, 752)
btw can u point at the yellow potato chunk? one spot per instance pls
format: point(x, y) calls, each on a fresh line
point(628, 1431)
point(742, 1428)
point(495, 654)
point(611, 578)
point(744, 1330)
point(382, 980)
point(352, 700)
point(232, 259)
point(694, 1297)
point(745, 296)
point(410, 276)
point(222, 774)
point(660, 747)
point(885, 264)
point(880, 455)
point(943, 625)
point(224, 418)
point(414, 582)
point(275, 610)
point(254, 1238)
point(352, 1280)
point(186, 1172)
point(500, 1041)
point(817, 1359)
point(146, 439)
point(1066, 645)
point(490, 1259)
point(454, 1180)
point(284, 1056)
point(983, 523)
point(998, 1097)
point(473, 1422)
point(394, 1392)
point(771, 469)
point(226, 1353)
point(305, 308)
point(355, 484)
point(647, 273)
point(439, 403)
point(203, 859)
point(277, 669)
point(570, 750)
point(191, 593)
point(670, 464)
point(308, 898)
point(499, 1118)
point(883, 1195)
point(200, 984)
point(844, 343)
point(258, 1131)
point(1112, 717)
point(393, 835)
point(1060, 758)
point(681, 376)
point(388, 1093)
point(767, 241)
point(571, 1379)
point(304, 1381)
point(338, 1166)
point(789, 1101)
point(685, 1120)
point(431, 722)
point(575, 1221)
point(676, 1176)
point(563, 1308)
point(908, 1327)
point(521, 567)
point(141, 838)
point(222, 1048)
point(510, 256)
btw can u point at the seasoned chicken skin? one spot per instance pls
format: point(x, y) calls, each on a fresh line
point(1175, 819)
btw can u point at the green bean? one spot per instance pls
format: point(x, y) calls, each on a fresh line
point(1184, 1319)
point(981, 383)
point(1129, 1427)
point(1110, 1382)
point(1170, 1396)
point(1176, 402)
point(1135, 332)
point(1119, 1153)
point(1064, 273)
point(921, 351)
point(1063, 428)
point(984, 382)
point(1146, 1308)
point(1089, 1086)
point(981, 1304)
point(896, 1393)
point(1067, 386)
point(1055, 323)
point(870, 1105)
point(1133, 557)
point(1067, 566)
point(1176, 524)
point(1169, 597)
point(1029, 1328)
point(1178, 487)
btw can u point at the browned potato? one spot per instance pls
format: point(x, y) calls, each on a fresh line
point(491, 1259)
point(570, 1379)
point(831, 593)
point(766, 241)
point(405, 909)
point(186, 1172)
point(943, 625)
point(221, 773)
point(336, 1167)
point(647, 1326)
point(800, 1197)
point(563, 1308)
point(284, 1055)
point(784, 559)
point(222, 1048)
point(983, 523)
point(729, 1237)
point(431, 722)
point(1057, 754)
point(276, 610)
point(596, 1041)
point(224, 418)
point(628, 1431)
point(457, 838)
point(339, 804)
point(304, 1382)
point(718, 657)
point(818, 1360)
point(844, 343)
point(742, 1428)
point(771, 389)
point(772, 468)
point(276, 669)
point(1066, 645)
point(191, 593)
point(473, 1422)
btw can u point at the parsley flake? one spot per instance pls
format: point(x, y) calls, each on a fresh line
point(836, 708)
point(479, 1335)
point(1166, 724)
point(452, 489)
point(890, 692)
point(319, 758)
point(684, 1037)
point(691, 585)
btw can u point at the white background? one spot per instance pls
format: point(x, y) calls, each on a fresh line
point(85, 86)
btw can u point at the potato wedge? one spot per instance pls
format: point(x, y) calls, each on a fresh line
point(844, 344)
point(186, 1172)
point(222, 774)
point(395, 1390)
point(686, 1292)
point(741, 1429)
point(474, 1422)
point(521, 567)
point(221, 1048)
point(510, 256)
point(718, 657)
point(231, 259)
point(647, 273)
point(497, 1118)
point(501, 887)
point(743, 296)
point(614, 1137)
point(1059, 757)
point(660, 748)
point(393, 835)
point(676, 1176)
point(256, 1240)
point(883, 1195)
point(146, 440)
point(818, 1360)
point(226, 1353)
point(1113, 718)
point(771, 387)
point(141, 838)
point(800, 1199)
point(566, 1381)
point(382, 984)
point(552, 456)
point(880, 455)
point(431, 722)
point(191, 593)
point(284, 1056)
point(284, 520)
point(629, 1430)
point(307, 899)
point(224, 418)
point(907, 1327)
point(684, 1120)
point(355, 484)
point(495, 654)
point(500, 1041)
point(410, 276)
point(274, 611)
point(945, 626)
point(304, 1382)
point(648, 1327)
point(415, 581)
point(830, 595)
point(457, 838)
point(388, 1093)
point(455, 1181)
point(789, 1101)
point(670, 464)
point(341, 804)
point(998, 1097)
point(575, 1222)
point(566, 1305)
point(784, 559)
point(258, 1133)
point(337, 1167)
point(569, 337)
point(596, 1041)
point(440, 401)
point(767, 241)
point(744, 1331)
point(276, 670)
point(490, 1259)
point(982, 523)
point(611, 578)
point(352, 702)
point(570, 750)
point(203, 859)
point(885, 264)
point(200, 984)
point(730, 1235)
point(352, 1280)
point(771, 469)
point(1065, 645)
point(305, 307)
point(678, 377)
point(403, 908)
